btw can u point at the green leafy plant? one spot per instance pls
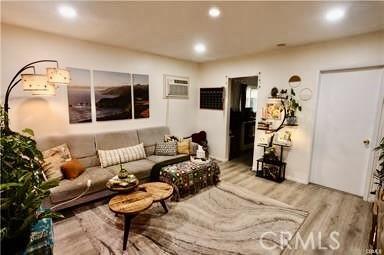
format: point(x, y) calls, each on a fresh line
point(293, 104)
point(22, 184)
point(379, 175)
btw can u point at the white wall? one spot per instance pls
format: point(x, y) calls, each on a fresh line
point(276, 67)
point(49, 115)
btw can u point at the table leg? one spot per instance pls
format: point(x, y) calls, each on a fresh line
point(164, 205)
point(127, 225)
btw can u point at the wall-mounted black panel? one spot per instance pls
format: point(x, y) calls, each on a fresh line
point(212, 98)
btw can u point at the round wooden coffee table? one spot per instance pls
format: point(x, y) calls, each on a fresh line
point(130, 205)
point(160, 192)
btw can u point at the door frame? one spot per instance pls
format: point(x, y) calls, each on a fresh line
point(228, 106)
point(377, 125)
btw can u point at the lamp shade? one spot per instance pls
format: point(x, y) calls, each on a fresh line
point(57, 75)
point(50, 90)
point(34, 82)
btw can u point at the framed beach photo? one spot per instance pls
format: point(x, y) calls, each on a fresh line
point(113, 95)
point(79, 96)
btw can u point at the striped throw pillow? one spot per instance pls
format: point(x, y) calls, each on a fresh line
point(121, 155)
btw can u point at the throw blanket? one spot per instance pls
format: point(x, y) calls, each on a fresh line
point(189, 178)
point(155, 172)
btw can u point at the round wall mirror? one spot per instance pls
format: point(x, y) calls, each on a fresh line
point(294, 81)
point(305, 94)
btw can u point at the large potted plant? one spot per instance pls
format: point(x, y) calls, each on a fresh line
point(22, 187)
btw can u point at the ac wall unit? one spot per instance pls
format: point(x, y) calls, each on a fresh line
point(176, 86)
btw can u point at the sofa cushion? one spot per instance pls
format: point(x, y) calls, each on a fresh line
point(81, 147)
point(140, 168)
point(158, 159)
point(115, 140)
point(69, 189)
point(150, 136)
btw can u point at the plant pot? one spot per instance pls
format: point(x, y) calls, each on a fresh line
point(291, 120)
point(16, 245)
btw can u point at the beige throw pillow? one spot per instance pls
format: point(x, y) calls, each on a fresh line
point(183, 147)
point(54, 158)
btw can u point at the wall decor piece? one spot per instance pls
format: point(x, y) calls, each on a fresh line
point(79, 96)
point(212, 98)
point(305, 94)
point(113, 95)
point(284, 138)
point(273, 111)
point(141, 95)
point(294, 81)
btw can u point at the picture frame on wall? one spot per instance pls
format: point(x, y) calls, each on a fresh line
point(113, 95)
point(79, 96)
point(140, 95)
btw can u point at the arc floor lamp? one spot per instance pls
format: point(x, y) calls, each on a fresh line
point(38, 84)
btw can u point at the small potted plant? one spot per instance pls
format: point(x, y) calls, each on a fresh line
point(292, 106)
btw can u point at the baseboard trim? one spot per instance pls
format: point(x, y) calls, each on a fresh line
point(218, 158)
point(296, 179)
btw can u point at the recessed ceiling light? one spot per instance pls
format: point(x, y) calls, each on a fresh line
point(214, 12)
point(67, 11)
point(200, 48)
point(335, 14)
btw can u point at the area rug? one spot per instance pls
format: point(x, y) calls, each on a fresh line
point(224, 220)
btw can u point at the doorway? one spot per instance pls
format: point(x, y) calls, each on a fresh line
point(348, 103)
point(242, 117)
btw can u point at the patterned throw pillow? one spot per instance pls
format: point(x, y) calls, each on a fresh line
point(121, 155)
point(53, 159)
point(166, 148)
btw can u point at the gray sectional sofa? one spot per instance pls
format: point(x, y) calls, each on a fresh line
point(84, 148)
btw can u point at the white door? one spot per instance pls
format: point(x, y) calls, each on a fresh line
point(346, 113)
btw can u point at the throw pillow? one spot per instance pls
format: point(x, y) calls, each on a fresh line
point(166, 148)
point(72, 169)
point(183, 146)
point(53, 159)
point(121, 155)
point(193, 148)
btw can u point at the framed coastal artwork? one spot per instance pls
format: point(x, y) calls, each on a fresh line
point(113, 95)
point(79, 96)
point(141, 95)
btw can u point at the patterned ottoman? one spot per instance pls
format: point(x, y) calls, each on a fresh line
point(188, 177)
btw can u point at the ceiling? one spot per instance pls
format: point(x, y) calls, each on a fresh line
point(172, 28)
